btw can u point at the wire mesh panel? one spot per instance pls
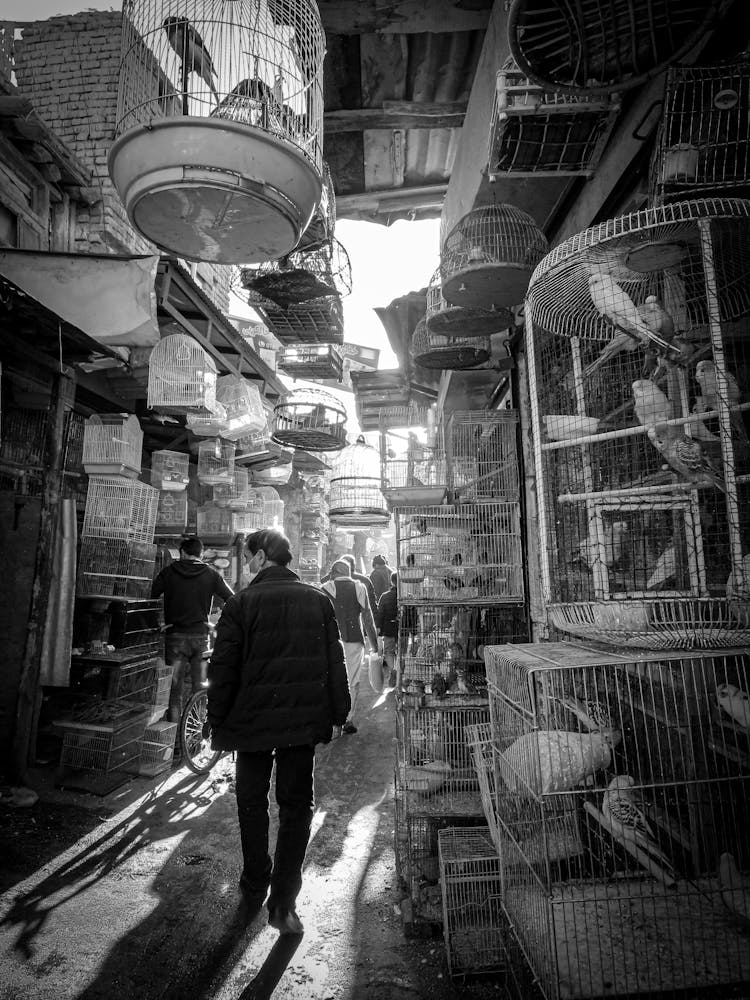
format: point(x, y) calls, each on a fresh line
point(482, 748)
point(112, 444)
point(445, 320)
point(243, 404)
point(302, 275)
point(704, 136)
point(273, 506)
point(447, 353)
point(216, 461)
point(470, 554)
point(169, 470)
point(235, 494)
point(474, 924)
point(639, 378)
point(171, 513)
point(489, 255)
point(413, 467)
point(622, 801)
point(115, 567)
point(312, 361)
point(221, 524)
point(120, 508)
point(310, 419)
point(181, 377)
point(317, 321)
point(102, 737)
point(482, 454)
point(545, 132)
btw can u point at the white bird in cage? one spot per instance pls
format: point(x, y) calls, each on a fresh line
point(651, 406)
point(609, 552)
point(686, 456)
point(656, 317)
point(620, 808)
point(735, 888)
point(616, 306)
point(590, 713)
point(736, 703)
point(705, 376)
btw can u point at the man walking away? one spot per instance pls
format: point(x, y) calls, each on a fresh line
point(380, 576)
point(188, 587)
point(277, 687)
point(386, 619)
point(353, 614)
point(349, 558)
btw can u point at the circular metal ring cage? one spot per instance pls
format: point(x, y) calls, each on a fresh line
point(302, 276)
point(488, 257)
point(444, 320)
point(586, 48)
point(310, 419)
point(355, 496)
point(447, 353)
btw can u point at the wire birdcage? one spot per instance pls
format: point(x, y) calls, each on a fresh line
point(120, 508)
point(474, 924)
point(622, 803)
point(235, 494)
point(317, 321)
point(546, 133)
point(222, 524)
point(322, 225)
point(171, 513)
point(469, 554)
point(413, 468)
point(703, 143)
point(639, 372)
point(243, 404)
point(312, 361)
point(115, 567)
point(355, 497)
point(216, 461)
point(219, 125)
point(273, 506)
point(277, 474)
point(112, 444)
point(579, 50)
point(209, 425)
point(482, 453)
point(169, 470)
point(444, 320)
point(488, 257)
point(302, 275)
point(310, 419)
point(181, 377)
point(447, 353)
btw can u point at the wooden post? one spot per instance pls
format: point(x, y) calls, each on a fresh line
point(63, 389)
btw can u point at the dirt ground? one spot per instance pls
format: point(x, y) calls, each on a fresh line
point(134, 894)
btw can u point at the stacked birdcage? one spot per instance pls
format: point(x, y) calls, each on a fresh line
point(234, 494)
point(273, 507)
point(620, 787)
point(242, 402)
point(216, 461)
point(312, 361)
point(112, 445)
point(170, 475)
point(313, 528)
point(413, 469)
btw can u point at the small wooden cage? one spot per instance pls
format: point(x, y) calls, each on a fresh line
point(317, 321)
point(447, 353)
point(217, 154)
point(302, 275)
point(355, 496)
point(181, 377)
point(310, 419)
point(488, 257)
point(112, 445)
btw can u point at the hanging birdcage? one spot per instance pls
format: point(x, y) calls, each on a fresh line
point(243, 404)
point(447, 353)
point(310, 419)
point(302, 275)
point(579, 49)
point(169, 470)
point(323, 222)
point(211, 425)
point(444, 320)
point(235, 494)
point(277, 474)
point(112, 445)
point(482, 455)
point(216, 461)
point(355, 497)
point(317, 321)
point(545, 133)
point(704, 136)
point(413, 469)
point(219, 125)
point(639, 371)
point(488, 257)
point(120, 508)
point(181, 377)
point(272, 507)
point(312, 361)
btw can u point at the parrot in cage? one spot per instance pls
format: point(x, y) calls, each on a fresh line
point(735, 703)
point(591, 714)
point(625, 816)
point(656, 317)
point(191, 51)
point(705, 376)
point(651, 406)
point(735, 888)
point(616, 306)
point(686, 456)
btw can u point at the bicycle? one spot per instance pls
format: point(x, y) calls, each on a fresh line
point(195, 735)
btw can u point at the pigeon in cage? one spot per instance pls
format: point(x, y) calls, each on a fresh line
point(735, 703)
point(686, 456)
point(191, 51)
point(622, 810)
point(735, 888)
point(546, 761)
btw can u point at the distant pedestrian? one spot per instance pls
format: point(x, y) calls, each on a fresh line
point(189, 587)
point(277, 687)
point(386, 620)
point(352, 608)
point(380, 576)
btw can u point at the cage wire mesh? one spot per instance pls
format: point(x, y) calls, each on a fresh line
point(273, 506)
point(222, 524)
point(445, 320)
point(302, 275)
point(208, 425)
point(482, 453)
point(243, 405)
point(235, 494)
point(169, 470)
point(545, 133)
point(115, 567)
point(216, 461)
point(587, 50)
point(488, 257)
point(112, 444)
point(120, 508)
point(474, 924)
point(355, 496)
point(310, 419)
point(413, 467)
point(481, 745)
point(622, 803)
point(171, 513)
point(469, 554)
point(639, 380)
point(317, 321)
point(312, 361)
point(447, 353)
point(181, 377)
point(703, 143)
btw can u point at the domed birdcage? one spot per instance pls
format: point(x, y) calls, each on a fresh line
point(217, 154)
point(445, 320)
point(356, 498)
point(181, 377)
point(273, 507)
point(310, 419)
point(639, 367)
point(575, 47)
point(488, 257)
point(447, 353)
point(301, 276)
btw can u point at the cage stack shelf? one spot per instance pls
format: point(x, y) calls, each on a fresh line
point(413, 468)
point(99, 743)
point(313, 527)
point(112, 445)
point(622, 807)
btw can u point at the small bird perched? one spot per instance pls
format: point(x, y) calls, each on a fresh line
point(190, 49)
point(656, 318)
point(618, 308)
point(627, 819)
point(705, 376)
point(686, 456)
point(591, 551)
point(735, 888)
point(591, 714)
point(650, 404)
point(736, 703)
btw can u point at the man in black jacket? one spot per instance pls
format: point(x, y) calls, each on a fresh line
point(386, 621)
point(189, 587)
point(277, 687)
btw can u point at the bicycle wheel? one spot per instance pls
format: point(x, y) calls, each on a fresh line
point(194, 743)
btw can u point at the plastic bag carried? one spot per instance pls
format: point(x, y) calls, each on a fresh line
point(375, 672)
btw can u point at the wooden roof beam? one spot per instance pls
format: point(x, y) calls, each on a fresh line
point(402, 17)
point(390, 200)
point(398, 115)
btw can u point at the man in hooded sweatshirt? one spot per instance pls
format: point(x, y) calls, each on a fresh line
point(189, 587)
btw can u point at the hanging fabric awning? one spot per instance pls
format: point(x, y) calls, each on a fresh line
point(111, 299)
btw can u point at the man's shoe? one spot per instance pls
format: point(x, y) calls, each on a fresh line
point(285, 922)
point(348, 728)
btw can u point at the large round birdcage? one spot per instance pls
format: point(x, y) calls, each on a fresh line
point(355, 496)
point(639, 377)
point(488, 257)
point(445, 320)
point(217, 155)
point(447, 353)
point(302, 275)
point(310, 419)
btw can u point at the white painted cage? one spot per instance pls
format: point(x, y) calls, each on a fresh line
point(170, 470)
point(216, 461)
point(120, 508)
point(243, 403)
point(181, 377)
point(112, 445)
point(413, 468)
